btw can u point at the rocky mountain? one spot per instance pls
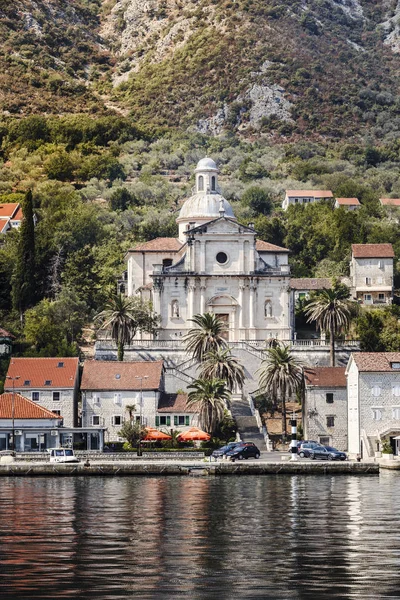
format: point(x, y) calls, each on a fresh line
point(287, 67)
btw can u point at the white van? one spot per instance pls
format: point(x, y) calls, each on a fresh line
point(63, 455)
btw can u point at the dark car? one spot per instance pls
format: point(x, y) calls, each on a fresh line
point(220, 452)
point(246, 450)
point(328, 453)
point(306, 448)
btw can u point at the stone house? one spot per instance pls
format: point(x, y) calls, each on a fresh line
point(51, 382)
point(305, 197)
point(10, 216)
point(6, 340)
point(371, 273)
point(348, 203)
point(373, 384)
point(172, 412)
point(325, 406)
point(390, 202)
point(216, 265)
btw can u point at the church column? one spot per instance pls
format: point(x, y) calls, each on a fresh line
point(251, 308)
point(202, 298)
point(157, 297)
point(242, 288)
point(202, 256)
point(190, 300)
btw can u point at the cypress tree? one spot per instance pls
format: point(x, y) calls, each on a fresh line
point(23, 284)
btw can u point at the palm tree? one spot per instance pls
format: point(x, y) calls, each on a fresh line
point(206, 336)
point(209, 396)
point(280, 376)
point(125, 316)
point(131, 409)
point(332, 311)
point(220, 364)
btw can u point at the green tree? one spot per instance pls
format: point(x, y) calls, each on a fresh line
point(332, 312)
point(23, 281)
point(209, 397)
point(220, 364)
point(206, 336)
point(131, 432)
point(120, 199)
point(258, 199)
point(369, 327)
point(280, 376)
point(47, 332)
point(125, 317)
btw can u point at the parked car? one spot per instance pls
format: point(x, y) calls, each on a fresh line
point(328, 453)
point(305, 449)
point(245, 450)
point(63, 455)
point(220, 452)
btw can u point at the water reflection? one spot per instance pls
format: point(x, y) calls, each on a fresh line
point(251, 537)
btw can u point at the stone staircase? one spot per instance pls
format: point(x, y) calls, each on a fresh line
point(246, 422)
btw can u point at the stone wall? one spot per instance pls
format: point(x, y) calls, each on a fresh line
point(317, 409)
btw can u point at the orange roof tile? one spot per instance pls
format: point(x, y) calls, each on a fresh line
point(309, 193)
point(348, 201)
point(390, 201)
point(113, 375)
point(159, 245)
point(175, 403)
point(7, 210)
point(311, 283)
point(376, 361)
point(262, 246)
point(39, 370)
point(18, 215)
point(325, 376)
point(23, 408)
point(4, 224)
point(372, 250)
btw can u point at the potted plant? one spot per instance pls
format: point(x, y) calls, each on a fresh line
point(387, 450)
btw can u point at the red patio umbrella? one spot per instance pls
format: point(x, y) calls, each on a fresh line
point(193, 434)
point(153, 435)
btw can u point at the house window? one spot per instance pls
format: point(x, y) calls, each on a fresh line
point(182, 420)
point(380, 265)
point(60, 365)
point(329, 398)
point(330, 421)
point(395, 365)
point(47, 382)
point(167, 262)
point(95, 420)
point(116, 420)
point(118, 399)
point(57, 412)
point(368, 280)
point(381, 297)
point(27, 382)
point(201, 183)
point(163, 420)
point(324, 440)
point(396, 390)
point(35, 396)
point(96, 400)
point(56, 396)
point(396, 413)
point(376, 414)
point(376, 389)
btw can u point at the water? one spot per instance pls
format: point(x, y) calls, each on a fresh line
point(291, 537)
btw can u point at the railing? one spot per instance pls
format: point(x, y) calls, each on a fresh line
point(255, 412)
point(252, 344)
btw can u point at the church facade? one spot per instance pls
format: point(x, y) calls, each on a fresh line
point(215, 265)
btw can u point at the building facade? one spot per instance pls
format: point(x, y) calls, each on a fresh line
point(371, 273)
point(296, 197)
point(325, 406)
point(373, 383)
point(348, 203)
point(215, 265)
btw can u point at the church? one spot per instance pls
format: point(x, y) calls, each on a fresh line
point(215, 265)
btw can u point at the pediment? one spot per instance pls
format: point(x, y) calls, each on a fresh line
point(222, 225)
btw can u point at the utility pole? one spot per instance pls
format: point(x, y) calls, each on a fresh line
point(141, 377)
point(13, 379)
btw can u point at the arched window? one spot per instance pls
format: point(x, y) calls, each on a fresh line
point(213, 184)
point(175, 309)
point(201, 183)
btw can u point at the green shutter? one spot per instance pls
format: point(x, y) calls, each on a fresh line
point(187, 420)
point(168, 421)
point(157, 421)
point(175, 420)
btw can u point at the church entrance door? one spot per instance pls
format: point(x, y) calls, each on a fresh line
point(225, 319)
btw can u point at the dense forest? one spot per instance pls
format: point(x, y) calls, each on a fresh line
point(101, 185)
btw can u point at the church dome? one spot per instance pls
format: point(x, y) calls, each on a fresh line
point(205, 207)
point(206, 164)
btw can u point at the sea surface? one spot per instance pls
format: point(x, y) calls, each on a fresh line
point(296, 537)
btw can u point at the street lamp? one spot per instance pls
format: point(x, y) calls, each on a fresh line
point(13, 407)
point(141, 377)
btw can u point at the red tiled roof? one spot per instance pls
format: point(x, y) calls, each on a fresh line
point(113, 375)
point(39, 370)
point(18, 215)
point(348, 201)
point(309, 193)
point(8, 210)
point(311, 283)
point(3, 224)
point(159, 245)
point(325, 376)
point(390, 201)
point(23, 408)
point(376, 361)
point(372, 250)
point(5, 334)
point(262, 246)
point(175, 403)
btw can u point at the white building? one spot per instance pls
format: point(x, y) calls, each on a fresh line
point(371, 273)
point(325, 406)
point(51, 382)
point(10, 216)
point(348, 203)
point(295, 197)
point(373, 388)
point(215, 265)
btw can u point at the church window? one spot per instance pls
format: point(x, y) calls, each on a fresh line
point(213, 184)
point(175, 309)
point(222, 258)
point(201, 183)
